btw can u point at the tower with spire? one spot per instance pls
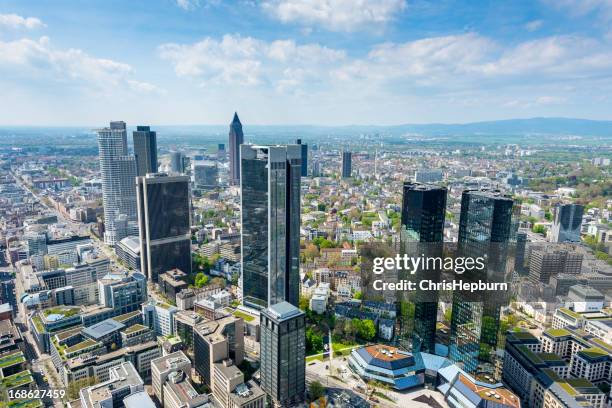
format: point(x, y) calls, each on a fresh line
point(236, 138)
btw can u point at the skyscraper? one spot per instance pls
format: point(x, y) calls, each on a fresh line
point(283, 348)
point(487, 228)
point(567, 223)
point(304, 157)
point(236, 138)
point(145, 150)
point(176, 163)
point(270, 203)
point(118, 171)
point(164, 224)
point(347, 166)
point(422, 233)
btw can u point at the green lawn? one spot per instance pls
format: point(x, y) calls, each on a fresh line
point(246, 317)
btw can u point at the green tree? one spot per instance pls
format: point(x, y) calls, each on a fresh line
point(201, 280)
point(316, 390)
point(367, 329)
point(314, 341)
point(304, 303)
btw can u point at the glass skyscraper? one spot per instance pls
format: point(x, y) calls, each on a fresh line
point(347, 165)
point(270, 203)
point(236, 138)
point(487, 228)
point(422, 233)
point(283, 352)
point(118, 171)
point(304, 157)
point(164, 224)
point(145, 150)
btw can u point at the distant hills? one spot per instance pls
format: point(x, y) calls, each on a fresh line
point(563, 126)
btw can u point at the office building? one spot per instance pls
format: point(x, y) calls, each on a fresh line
point(270, 203)
point(567, 223)
point(123, 381)
point(122, 292)
point(176, 163)
point(145, 150)
point(347, 166)
point(304, 150)
point(128, 251)
point(548, 261)
point(205, 174)
point(159, 317)
point(428, 176)
point(487, 228)
point(283, 346)
point(215, 341)
point(164, 224)
point(37, 243)
point(163, 367)
point(236, 139)
point(422, 232)
point(118, 171)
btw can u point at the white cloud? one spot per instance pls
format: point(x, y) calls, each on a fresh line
point(471, 60)
point(15, 21)
point(39, 59)
point(534, 25)
point(188, 4)
point(335, 15)
point(248, 61)
point(580, 8)
point(551, 100)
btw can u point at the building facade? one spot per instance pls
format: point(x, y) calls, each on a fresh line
point(164, 224)
point(283, 347)
point(270, 203)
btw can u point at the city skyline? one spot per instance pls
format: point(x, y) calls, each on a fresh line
point(297, 62)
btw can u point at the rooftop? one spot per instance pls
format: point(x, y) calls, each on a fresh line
point(283, 311)
point(103, 329)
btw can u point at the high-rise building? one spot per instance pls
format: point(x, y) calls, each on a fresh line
point(304, 157)
point(122, 292)
point(270, 203)
point(145, 150)
point(283, 347)
point(422, 233)
point(37, 243)
point(205, 174)
point(347, 166)
point(487, 228)
point(176, 163)
point(236, 138)
point(546, 262)
point(118, 171)
point(164, 224)
point(567, 223)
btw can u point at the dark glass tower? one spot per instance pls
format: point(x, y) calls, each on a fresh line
point(567, 223)
point(422, 233)
point(145, 150)
point(164, 224)
point(283, 349)
point(487, 228)
point(347, 166)
point(304, 157)
point(236, 138)
point(270, 224)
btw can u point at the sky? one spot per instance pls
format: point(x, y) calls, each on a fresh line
point(320, 62)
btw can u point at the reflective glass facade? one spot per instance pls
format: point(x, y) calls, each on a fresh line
point(422, 233)
point(164, 224)
point(270, 224)
point(487, 227)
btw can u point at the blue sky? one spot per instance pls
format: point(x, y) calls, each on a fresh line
point(331, 62)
